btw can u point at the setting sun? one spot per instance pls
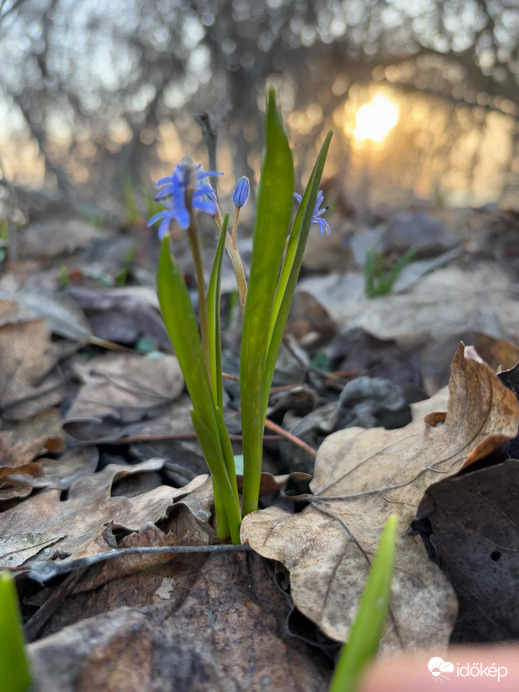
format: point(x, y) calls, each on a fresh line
point(375, 119)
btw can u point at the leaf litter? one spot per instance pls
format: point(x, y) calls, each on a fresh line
point(82, 431)
point(361, 476)
point(475, 535)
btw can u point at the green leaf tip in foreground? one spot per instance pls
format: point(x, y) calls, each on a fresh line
point(14, 667)
point(368, 626)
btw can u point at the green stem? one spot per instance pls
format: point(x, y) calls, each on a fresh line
point(234, 256)
point(235, 226)
point(222, 521)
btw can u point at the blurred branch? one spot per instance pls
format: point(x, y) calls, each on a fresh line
point(157, 53)
point(6, 11)
point(210, 135)
point(38, 134)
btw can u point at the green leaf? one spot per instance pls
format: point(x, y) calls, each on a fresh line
point(299, 234)
point(180, 320)
point(273, 213)
point(213, 318)
point(368, 626)
point(378, 281)
point(223, 489)
point(292, 264)
point(14, 668)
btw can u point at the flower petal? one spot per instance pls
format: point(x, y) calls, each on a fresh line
point(156, 217)
point(172, 191)
point(323, 225)
point(164, 226)
point(241, 192)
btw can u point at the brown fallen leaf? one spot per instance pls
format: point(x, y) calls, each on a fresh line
point(362, 476)
point(20, 447)
point(16, 549)
point(64, 471)
point(309, 322)
point(165, 422)
point(475, 534)
point(121, 388)
point(31, 469)
point(89, 506)
point(216, 623)
point(12, 312)
point(62, 314)
point(13, 455)
point(427, 310)
point(498, 353)
point(45, 427)
point(123, 314)
point(56, 236)
point(270, 484)
point(27, 356)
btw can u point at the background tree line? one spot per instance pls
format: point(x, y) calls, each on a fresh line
point(101, 91)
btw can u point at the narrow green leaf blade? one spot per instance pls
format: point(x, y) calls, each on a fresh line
point(210, 444)
point(292, 264)
point(273, 213)
point(300, 229)
point(213, 318)
point(180, 320)
point(14, 667)
point(368, 625)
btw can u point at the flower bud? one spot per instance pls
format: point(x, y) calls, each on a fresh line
point(241, 192)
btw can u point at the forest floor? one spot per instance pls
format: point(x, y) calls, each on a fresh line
point(97, 452)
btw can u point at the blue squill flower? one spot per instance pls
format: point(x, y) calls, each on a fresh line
point(187, 188)
point(241, 192)
point(316, 218)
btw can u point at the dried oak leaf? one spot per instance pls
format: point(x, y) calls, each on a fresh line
point(89, 506)
point(27, 356)
point(216, 623)
point(56, 237)
point(122, 314)
point(64, 471)
point(362, 476)
point(475, 534)
point(62, 314)
point(121, 388)
point(426, 309)
point(20, 447)
point(12, 312)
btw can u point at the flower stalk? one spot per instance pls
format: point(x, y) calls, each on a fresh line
point(235, 258)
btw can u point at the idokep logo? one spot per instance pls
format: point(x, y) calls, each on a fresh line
point(478, 670)
point(439, 668)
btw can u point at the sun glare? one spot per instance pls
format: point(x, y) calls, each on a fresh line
point(374, 120)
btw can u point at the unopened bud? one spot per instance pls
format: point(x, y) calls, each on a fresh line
point(241, 192)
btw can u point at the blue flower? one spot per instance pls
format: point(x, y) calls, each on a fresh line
point(241, 192)
point(323, 225)
point(186, 178)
